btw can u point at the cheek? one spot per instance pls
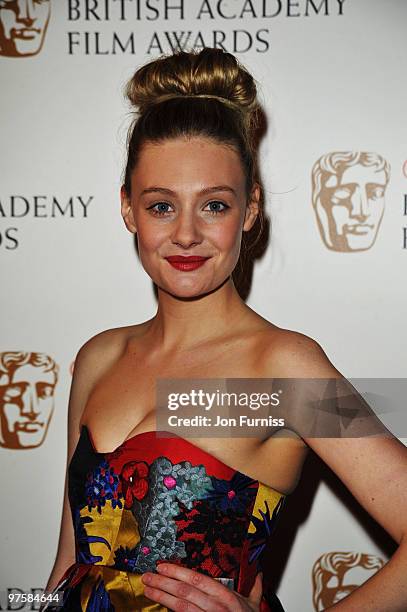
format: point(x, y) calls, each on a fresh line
point(42, 15)
point(150, 236)
point(8, 19)
point(226, 234)
point(376, 206)
point(147, 243)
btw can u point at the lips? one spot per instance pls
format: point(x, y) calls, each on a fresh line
point(29, 427)
point(185, 259)
point(359, 228)
point(191, 262)
point(24, 33)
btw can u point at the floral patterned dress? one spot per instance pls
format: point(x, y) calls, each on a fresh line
point(158, 498)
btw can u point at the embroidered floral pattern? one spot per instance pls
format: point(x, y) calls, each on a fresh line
point(162, 510)
point(103, 484)
point(134, 478)
point(234, 494)
point(168, 485)
point(83, 540)
point(214, 529)
point(264, 529)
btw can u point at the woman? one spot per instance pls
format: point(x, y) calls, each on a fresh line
point(192, 196)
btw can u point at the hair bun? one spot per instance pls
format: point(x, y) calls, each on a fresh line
point(210, 71)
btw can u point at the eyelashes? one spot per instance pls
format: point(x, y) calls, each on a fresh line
point(159, 208)
point(156, 211)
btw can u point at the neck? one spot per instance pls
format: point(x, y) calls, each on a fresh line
point(183, 324)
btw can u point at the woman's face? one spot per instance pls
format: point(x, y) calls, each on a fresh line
point(188, 199)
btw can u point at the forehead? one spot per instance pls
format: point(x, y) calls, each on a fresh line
point(181, 164)
point(30, 373)
point(357, 174)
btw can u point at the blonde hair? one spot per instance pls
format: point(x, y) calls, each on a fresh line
point(207, 93)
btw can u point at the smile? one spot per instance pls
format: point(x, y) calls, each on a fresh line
point(359, 228)
point(186, 264)
point(25, 33)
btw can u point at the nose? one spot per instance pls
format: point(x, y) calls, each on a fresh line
point(30, 403)
point(359, 204)
point(186, 231)
point(25, 13)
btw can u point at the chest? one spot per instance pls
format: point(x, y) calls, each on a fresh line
point(123, 404)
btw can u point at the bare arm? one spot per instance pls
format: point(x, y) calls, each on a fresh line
point(92, 361)
point(374, 469)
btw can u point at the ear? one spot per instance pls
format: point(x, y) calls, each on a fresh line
point(252, 208)
point(127, 211)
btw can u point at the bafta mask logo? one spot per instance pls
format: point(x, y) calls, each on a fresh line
point(27, 385)
point(335, 575)
point(23, 24)
point(348, 196)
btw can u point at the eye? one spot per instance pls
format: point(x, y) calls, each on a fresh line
point(341, 194)
point(215, 207)
point(12, 392)
point(159, 208)
point(375, 192)
point(44, 390)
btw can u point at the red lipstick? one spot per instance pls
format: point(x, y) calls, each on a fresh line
point(186, 264)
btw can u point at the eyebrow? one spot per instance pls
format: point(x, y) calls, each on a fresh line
point(202, 192)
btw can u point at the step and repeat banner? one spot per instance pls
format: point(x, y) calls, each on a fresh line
point(334, 167)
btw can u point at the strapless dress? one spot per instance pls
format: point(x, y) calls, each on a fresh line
point(158, 498)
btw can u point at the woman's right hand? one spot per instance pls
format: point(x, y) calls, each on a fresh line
point(175, 587)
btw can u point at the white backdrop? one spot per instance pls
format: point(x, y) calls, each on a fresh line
point(331, 77)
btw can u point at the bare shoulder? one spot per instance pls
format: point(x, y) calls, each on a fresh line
point(372, 467)
point(94, 358)
point(289, 353)
point(102, 349)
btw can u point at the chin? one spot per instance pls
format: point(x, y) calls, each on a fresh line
point(187, 290)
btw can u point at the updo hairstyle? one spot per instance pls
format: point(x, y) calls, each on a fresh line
point(208, 94)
